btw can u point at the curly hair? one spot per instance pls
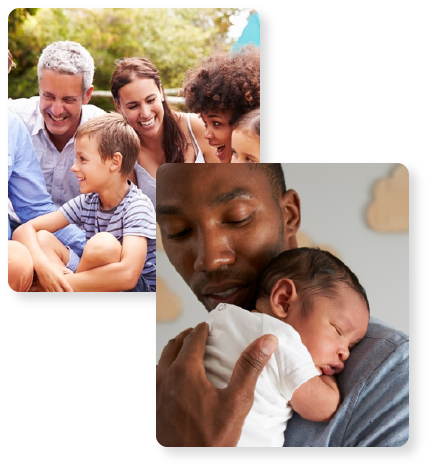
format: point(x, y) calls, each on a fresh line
point(225, 82)
point(127, 70)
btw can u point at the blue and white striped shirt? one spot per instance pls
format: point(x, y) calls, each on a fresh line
point(134, 216)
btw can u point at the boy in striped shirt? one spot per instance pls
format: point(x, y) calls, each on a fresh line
point(118, 219)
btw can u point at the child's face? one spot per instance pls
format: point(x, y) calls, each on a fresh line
point(245, 147)
point(91, 171)
point(219, 133)
point(332, 328)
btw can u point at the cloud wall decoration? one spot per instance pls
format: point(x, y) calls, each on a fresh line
point(389, 211)
point(168, 303)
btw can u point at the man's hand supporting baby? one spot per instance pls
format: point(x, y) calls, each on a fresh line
point(190, 410)
point(317, 399)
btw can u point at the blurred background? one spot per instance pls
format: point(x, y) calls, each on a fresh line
point(174, 39)
point(359, 212)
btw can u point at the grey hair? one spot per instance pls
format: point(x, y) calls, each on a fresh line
point(69, 58)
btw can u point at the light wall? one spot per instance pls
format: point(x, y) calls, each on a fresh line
point(334, 202)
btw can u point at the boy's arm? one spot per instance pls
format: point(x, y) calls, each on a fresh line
point(317, 399)
point(50, 274)
point(117, 276)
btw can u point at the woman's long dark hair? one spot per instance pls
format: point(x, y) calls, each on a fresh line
point(174, 140)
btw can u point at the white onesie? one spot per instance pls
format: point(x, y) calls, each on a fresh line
point(231, 330)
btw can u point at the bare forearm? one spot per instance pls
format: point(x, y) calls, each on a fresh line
point(26, 235)
point(108, 278)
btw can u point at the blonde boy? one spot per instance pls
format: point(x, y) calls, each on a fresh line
point(118, 219)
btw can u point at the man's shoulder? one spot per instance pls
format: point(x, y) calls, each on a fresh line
point(24, 105)
point(89, 111)
point(378, 329)
point(378, 350)
point(28, 110)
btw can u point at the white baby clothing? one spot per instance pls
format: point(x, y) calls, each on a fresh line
point(231, 330)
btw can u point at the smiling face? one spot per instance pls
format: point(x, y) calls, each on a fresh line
point(61, 99)
point(141, 102)
point(220, 225)
point(91, 171)
point(245, 147)
point(219, 133)
point(331, 328)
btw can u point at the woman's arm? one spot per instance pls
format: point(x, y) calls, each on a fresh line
point(317, 399)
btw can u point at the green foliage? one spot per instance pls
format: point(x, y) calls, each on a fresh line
point(174, 39)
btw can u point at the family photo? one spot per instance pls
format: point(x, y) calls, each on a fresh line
point(78, 169)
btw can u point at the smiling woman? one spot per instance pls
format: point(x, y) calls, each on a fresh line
point(222, 88)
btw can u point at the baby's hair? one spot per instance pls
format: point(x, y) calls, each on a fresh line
point(250, 123)
point(113, 134)
point(313, 271)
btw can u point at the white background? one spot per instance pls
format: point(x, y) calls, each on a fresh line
point(353, 81)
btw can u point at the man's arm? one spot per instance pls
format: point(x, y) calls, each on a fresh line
point(190, 410)
point(26, 186)
point(317, 399)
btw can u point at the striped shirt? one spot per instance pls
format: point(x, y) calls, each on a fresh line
point(134, 216)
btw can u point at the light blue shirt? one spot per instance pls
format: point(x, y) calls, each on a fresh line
point(56, 166)
point(375, 396)
point(26, 185)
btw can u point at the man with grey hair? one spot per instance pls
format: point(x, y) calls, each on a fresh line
point(65, 74)
point(29, 197)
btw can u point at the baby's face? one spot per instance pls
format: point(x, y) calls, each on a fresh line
point(333, 327)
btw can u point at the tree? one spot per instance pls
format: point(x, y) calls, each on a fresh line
point(174, 39)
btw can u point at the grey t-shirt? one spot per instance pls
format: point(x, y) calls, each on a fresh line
point(375, 397)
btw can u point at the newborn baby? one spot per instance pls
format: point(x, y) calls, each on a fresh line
point(317, 308)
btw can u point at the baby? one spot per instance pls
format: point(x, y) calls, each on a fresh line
point(317, 308)
point(246, 138)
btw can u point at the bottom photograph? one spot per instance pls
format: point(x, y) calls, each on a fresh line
point(282, 305)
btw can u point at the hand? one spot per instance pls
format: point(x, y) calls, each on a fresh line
point(190, 410)
point(52, 278)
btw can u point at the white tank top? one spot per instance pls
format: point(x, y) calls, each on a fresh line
point(198, 152)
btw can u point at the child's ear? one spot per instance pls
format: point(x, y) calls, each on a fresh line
point(116, 161)
point(282, 296)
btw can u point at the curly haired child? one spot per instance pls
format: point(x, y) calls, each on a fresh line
point(221, 89)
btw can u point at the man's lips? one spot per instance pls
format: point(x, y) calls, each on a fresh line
point(331, 370)
point(57, 120)
point(221, 288)
point(232, 293)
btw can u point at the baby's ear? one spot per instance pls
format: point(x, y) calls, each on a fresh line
point(282, 296)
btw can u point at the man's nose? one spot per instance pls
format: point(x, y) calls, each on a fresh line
point(212, 251)
point(57, 107)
